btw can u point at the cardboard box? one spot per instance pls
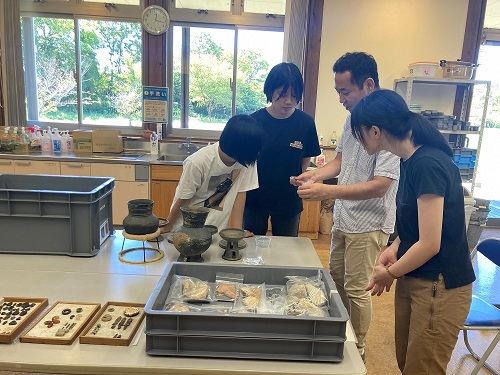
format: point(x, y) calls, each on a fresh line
point(82, 141)
point(107, 141)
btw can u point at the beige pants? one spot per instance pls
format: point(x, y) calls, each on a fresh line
point(428, 321)
point(352, 258)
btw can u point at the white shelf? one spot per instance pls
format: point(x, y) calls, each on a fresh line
point(459, 132)
point(442, 81)
point(406, 89)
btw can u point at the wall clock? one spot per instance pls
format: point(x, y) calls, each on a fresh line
point(155, 19)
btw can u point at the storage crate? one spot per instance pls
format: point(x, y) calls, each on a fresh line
point(258, 336)
point(45, 214)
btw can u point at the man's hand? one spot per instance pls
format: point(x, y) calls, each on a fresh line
point(314, 192)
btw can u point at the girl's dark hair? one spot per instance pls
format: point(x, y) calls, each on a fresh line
point(388, 110)
point(242, 139)
point(285, 75)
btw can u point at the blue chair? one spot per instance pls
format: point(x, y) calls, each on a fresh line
point(483, 315)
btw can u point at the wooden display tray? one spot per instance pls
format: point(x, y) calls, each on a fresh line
point(107, 335)
point(40, 333)
point(7, 333)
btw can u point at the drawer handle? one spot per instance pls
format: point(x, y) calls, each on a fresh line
point(74, 165)
point(23, 163)
point(7, 162)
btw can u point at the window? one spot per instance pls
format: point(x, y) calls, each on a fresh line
point(92, 79)
point(220, 83)
point(83, 61)
point(219, 69)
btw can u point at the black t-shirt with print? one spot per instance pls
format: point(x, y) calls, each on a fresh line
point(286, 143)
point(431, 171)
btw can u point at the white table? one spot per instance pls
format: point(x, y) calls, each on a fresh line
point(104, 278)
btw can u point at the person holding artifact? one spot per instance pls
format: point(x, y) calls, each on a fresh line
point(365, 204)
point(218, 176)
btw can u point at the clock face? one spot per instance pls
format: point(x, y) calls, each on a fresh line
point(155, 20)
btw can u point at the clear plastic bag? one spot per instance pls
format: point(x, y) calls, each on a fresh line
point(249, 298)
point(189, 289)
point(306, 296)
point(226, 286)
point(275, 300)
point(180, 307)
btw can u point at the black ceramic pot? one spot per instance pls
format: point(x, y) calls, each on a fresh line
point(192, 238)
point(140, 219)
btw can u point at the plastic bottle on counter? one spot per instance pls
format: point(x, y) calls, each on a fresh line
point(320, 160)
point(154, 143)
point(65, 142)
point(56, 141)
point(46, 143)
point(5, 140)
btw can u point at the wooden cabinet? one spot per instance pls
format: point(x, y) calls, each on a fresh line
point(71, 168)
point(164, 180)
point(7, 166)
point(309, 220)
point(37, 167)
point(126, 186)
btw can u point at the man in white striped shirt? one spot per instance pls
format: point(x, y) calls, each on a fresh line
point(365, 205)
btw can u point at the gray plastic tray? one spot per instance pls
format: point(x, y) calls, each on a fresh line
point(50, 214)
point(204, 334)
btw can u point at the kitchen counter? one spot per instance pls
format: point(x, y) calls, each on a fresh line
point(128, 157)
point(104, 278)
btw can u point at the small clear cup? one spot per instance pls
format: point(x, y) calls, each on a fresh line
point(253, 254)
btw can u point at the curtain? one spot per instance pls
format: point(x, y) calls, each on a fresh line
point(12, 60)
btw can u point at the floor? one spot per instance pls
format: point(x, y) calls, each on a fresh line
point(380, 356)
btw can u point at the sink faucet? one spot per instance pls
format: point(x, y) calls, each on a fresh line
point(188, 145)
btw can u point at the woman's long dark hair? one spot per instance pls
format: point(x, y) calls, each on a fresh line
point(388, 110)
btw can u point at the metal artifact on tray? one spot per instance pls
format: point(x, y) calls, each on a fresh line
point(62, 324)
point(115, 324)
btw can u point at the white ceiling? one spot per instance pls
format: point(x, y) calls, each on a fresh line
point(492, 18)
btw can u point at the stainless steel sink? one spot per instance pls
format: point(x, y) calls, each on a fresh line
point(125, 155)
point(172, 157)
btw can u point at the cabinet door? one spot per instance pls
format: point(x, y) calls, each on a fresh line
point(122, 193)
point(75, 169)
point(7, 166)
point(162, 193)
point(122, 172)
point(309, 220)
point(37, 167)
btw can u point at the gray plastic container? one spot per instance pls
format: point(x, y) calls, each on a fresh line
point(282, 337)
point(50, 214)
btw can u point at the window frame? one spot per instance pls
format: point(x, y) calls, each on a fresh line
point(234, 19)
point(170, 75)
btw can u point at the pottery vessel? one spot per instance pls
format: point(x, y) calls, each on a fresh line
point(192, 239)
point(140, 219)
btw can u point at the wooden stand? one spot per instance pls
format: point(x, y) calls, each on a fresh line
point(141, 237)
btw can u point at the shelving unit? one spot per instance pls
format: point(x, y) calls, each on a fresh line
point(439, 94)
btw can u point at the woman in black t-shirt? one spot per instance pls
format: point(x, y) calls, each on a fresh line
point(430, 257)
